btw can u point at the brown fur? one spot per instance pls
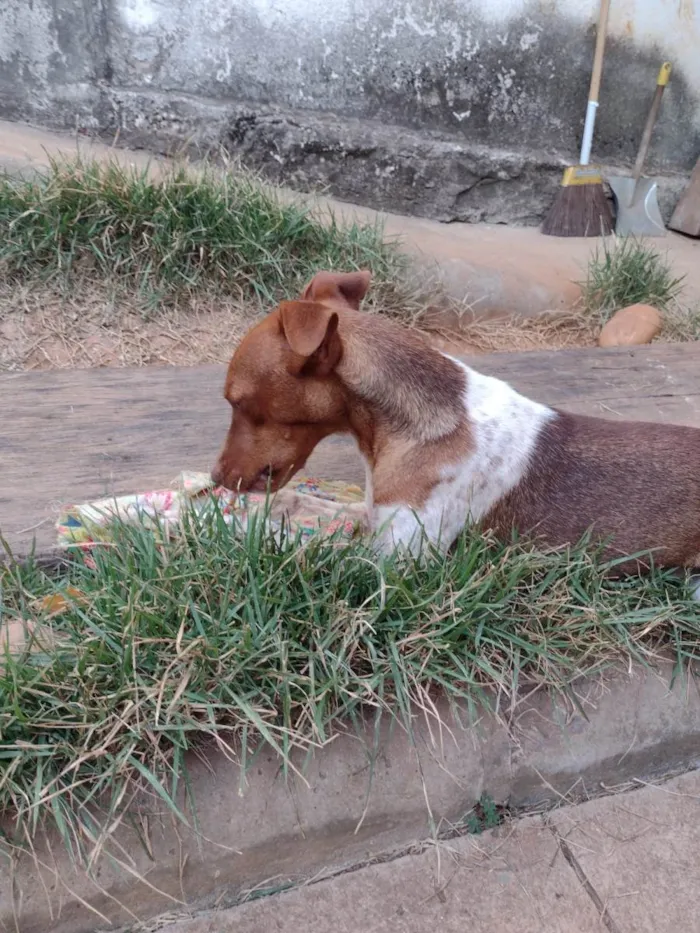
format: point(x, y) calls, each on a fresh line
point(319, 366)
point(636, 484)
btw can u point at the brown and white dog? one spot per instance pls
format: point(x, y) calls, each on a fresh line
point(445, 445)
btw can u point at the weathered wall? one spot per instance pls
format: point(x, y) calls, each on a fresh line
point(483, 97)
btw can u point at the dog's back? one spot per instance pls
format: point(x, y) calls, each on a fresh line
point(636, 484)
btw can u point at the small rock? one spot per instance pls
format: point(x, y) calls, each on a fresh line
point(631, 327)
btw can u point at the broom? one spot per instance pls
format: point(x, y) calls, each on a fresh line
point(581, 207)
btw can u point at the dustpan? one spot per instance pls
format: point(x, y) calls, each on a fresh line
point(636, 199)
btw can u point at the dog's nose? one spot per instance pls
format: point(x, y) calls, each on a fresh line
point(217, 475)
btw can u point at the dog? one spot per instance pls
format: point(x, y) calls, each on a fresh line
point(445, 445)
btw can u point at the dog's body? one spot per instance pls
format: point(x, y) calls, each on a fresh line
point(445, 445)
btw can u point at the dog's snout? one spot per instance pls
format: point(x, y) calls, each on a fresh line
point(217, 475)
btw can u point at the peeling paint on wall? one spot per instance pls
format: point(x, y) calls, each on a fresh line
point(140, 15)
point(501, 72)
point(498, 73)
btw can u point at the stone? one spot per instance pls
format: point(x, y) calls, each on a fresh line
point(631, 326)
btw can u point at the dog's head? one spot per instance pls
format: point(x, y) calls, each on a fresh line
point(283, 387)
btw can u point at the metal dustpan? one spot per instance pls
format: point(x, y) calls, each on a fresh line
point(638, 211)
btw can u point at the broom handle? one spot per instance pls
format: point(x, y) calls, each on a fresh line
point(594, 89)
point(661, 82)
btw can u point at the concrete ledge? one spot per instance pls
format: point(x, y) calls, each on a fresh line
point(423, 173)
point(609, 864)
point(428, 173)
point(354, 806)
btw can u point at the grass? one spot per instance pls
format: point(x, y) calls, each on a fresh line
point(682, 323)
point(245, 642)
point(176, 233)
point(485, 814)
point(627, 271)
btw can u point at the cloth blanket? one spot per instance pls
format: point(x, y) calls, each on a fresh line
point(307, 507)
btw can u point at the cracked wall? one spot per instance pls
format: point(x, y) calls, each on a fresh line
point(500, 84)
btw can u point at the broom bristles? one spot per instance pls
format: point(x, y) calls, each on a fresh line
point(579, 210)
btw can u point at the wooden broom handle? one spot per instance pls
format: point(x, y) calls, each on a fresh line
point(661, 82)
point(599, 49)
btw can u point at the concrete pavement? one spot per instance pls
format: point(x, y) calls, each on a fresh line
point(628, 863)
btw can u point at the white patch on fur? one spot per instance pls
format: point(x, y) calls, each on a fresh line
point(695, 588)
point(505, 426)
point(398, 527)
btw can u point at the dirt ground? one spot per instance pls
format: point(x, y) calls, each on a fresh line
point(42, 328)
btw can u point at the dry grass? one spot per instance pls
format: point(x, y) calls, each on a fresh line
point(681, 323)
point(43, 327)
point(556, 330)
point(567, 330)
point(46, 326)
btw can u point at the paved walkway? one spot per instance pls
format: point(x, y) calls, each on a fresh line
point(623, 864)
point(496, 268)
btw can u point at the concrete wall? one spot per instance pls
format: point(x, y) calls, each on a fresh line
point(477, 93)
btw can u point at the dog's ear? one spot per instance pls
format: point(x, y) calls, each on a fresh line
point(311, 330)
point(349, 287)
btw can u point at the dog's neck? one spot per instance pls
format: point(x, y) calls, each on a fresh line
point(406, 387)
point(404, 399)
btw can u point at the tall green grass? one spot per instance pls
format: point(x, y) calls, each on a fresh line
point(252, 641)
point(175, 232)
point(627, 271)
